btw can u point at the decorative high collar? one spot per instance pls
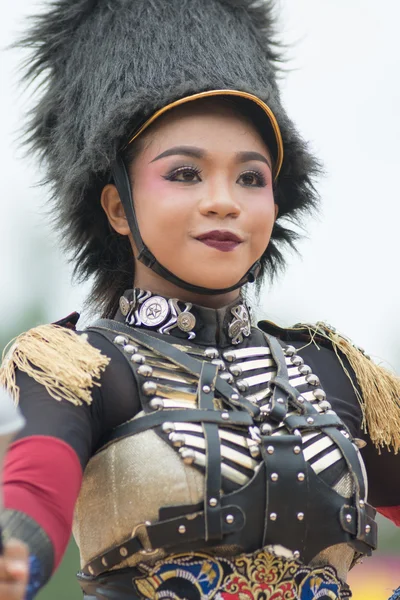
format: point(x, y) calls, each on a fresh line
point(170, 316)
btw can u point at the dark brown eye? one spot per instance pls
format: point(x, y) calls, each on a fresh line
point(252, 179)
point(185, 175)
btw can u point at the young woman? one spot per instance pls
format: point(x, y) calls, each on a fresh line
point(194, 454)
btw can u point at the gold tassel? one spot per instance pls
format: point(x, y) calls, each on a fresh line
point(380, 389)
point(57, 358)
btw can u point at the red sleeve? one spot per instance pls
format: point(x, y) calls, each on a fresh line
point(390, 512)
point(42, 478)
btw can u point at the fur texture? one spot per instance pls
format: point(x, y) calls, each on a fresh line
point(108, 64)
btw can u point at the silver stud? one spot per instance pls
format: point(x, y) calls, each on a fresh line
point(296, 554)
point(242, 385)
point(325, 405)
point(362, 503)
point(305, 370)
point(177, 439)
point(227, 377)
point(91, 570)
point(188, 456)
point(182, 529)
point(280, 401)
point(289, 350)
point(349, 518)
point(211, 353)
point(225, 415)
point(270, 449)
point(274, 476)
point(219, 363)
point(206, 389)
point(345, 434)
point(156, 403)
point(213, 502)
point(301, 476)
point(266, 429)
point(145, 371)
point(319, 394)
point(104, 562)
point(149, 388)
point(130, 349)
point(168, 427)
point(235, 370)
point(297, 449)
point(124, 305)
point(296, 360)
point(138, 359)
point(123, 551)
point(235, 397)
point(300, 516)
point(265, 408)
point(310, 420)
point(254, 450)
point(300, 399)
point(367, 528)
point(312, 379)
point(121, 340)
point(360, 443)
point(229, 519)
point(229, 356)
point(273, 516)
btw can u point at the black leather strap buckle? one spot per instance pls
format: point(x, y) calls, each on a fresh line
point(171, 533)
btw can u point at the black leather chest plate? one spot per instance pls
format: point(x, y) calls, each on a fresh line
point(256, 422)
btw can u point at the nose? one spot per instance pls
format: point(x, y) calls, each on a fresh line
point(220, 201)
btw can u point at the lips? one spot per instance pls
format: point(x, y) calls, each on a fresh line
point(226, 241)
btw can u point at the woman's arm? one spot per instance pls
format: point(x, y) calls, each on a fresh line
point(383, 466)
point(45, 464)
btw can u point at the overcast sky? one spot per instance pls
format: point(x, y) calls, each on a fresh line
point(343, 91)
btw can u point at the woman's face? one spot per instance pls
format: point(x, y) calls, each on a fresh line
point(203, 194)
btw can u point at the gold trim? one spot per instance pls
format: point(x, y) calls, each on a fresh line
point(210, 93)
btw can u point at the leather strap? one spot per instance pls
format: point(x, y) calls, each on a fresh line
point(179, 358)
point(155, 419)
point(213, 481)
point(283, 392)
point(282, 482)
point(164, 534)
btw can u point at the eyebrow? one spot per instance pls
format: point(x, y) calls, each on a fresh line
point(194, 152)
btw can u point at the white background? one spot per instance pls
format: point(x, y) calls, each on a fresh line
point(342, 89)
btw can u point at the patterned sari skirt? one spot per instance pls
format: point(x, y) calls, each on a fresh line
point(199, 576)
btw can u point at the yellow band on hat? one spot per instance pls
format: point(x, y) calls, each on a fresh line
point(260, 103)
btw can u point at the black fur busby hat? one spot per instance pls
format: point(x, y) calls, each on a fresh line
point(105, 66)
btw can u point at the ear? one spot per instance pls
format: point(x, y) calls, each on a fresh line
point(276, 211)
point(112, 206)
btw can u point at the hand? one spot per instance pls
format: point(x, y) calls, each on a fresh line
point(14, 570)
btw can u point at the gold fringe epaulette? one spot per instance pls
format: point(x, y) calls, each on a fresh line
point(378, 390)
point(57, 358)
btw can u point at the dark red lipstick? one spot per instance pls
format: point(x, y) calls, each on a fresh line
point(226, 241)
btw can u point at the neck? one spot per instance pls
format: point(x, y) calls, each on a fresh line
point(145, 279)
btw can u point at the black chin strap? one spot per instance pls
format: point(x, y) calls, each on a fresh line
point(121, 180)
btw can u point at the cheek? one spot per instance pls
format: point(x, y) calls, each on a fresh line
point(159, 210)
point(262, 218)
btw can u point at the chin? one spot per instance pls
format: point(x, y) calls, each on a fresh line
point(215, 281)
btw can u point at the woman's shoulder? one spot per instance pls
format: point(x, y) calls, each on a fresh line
point(66, 361)
point(344, 365)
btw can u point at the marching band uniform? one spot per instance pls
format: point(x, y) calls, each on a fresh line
point(194, 454)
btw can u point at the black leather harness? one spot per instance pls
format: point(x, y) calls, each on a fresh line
point(262, 512)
